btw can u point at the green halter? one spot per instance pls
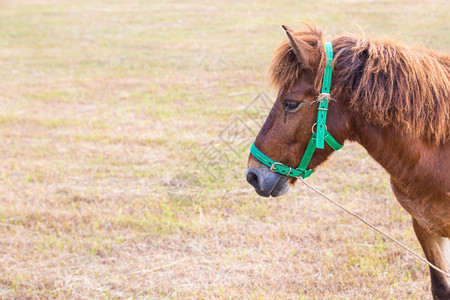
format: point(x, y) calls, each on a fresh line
point(317, 139)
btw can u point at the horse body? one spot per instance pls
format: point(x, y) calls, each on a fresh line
point(419, 173)
point(391, 99)
point(420, 182)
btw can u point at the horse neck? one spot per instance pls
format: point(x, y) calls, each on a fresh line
point(413, 162)
point(386, 146)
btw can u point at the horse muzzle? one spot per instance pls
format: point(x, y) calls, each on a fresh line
point(266, 182)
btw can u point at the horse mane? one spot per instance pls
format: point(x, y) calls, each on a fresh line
point(390, 84)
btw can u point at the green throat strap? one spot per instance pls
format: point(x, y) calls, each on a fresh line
point(318, 139)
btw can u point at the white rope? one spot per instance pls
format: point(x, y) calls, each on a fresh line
point(376, 229)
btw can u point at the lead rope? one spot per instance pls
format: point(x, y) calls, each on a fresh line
point(376, 229)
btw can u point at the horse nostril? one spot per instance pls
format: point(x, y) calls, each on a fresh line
point(252, 178)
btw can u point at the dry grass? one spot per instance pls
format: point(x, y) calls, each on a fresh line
point(105, 103)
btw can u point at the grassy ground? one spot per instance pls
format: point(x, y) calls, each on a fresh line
point(109, 110)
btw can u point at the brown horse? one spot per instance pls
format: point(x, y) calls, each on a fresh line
point(390, 98)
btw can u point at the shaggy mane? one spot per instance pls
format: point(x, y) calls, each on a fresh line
point(388, 83)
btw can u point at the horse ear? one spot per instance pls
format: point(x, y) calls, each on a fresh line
point(287, 28)
point(302, 49)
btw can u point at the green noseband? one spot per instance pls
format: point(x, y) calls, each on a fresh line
point(318, 139)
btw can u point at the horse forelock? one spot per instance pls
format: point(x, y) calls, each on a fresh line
point(285, 69)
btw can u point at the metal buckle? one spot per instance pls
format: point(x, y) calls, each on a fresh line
point(274, 164)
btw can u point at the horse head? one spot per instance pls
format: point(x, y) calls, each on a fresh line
point(297, 72)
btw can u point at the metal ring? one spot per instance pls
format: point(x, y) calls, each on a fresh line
point(315, 124)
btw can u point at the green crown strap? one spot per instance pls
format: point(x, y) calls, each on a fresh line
point(326, 83)
point(324, 97)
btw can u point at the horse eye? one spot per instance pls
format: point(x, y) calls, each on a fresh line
point(291, 105)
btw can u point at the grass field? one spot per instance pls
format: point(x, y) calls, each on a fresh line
point(109, 110)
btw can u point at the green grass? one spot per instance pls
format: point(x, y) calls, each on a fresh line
point(106, 104)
